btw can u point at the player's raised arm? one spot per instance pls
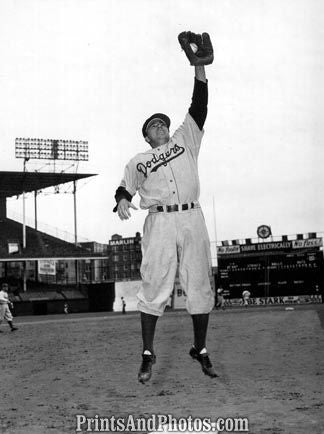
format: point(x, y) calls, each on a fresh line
point(200, 74)
point(199, 51)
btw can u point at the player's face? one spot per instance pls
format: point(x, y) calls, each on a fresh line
point(157, 133)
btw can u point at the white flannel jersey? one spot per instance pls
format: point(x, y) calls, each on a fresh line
point(167, 175)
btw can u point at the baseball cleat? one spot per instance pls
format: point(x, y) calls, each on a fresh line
point(145, 371)
point(14, 329)
point(205, 362)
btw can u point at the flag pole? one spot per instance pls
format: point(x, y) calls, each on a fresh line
point(214, 215)
point(215, 231)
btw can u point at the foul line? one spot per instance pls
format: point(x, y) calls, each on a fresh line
point(67, 320)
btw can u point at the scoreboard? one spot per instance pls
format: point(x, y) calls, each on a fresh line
point(271, 269)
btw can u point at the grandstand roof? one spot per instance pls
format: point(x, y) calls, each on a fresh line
point(39, 245)
point(15, 183)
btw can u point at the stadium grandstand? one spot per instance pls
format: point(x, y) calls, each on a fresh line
point(46, 273)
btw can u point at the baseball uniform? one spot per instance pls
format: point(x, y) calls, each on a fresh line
point(5, 313)
point(246, 296)
point(220, 298)
point(167, 181)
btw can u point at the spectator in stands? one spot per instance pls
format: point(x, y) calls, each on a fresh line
point(84, 278)
point(66, 307)
point(5, 313)
point(319, 293)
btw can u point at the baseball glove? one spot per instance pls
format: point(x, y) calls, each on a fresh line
point(205, 53)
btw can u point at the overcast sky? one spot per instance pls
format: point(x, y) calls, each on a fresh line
point(96, 69)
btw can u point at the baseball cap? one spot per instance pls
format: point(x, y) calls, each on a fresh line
point(161, 116)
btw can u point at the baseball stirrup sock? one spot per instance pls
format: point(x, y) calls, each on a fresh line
point(148, 323)
point(200, 325)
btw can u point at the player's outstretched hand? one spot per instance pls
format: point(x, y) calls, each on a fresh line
point(123, 209)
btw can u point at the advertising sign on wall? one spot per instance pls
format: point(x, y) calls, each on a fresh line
point(268, 301)
point(47, 266)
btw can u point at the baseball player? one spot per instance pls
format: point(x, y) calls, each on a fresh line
point(220, 298)
point(246, 297)
point(5, 313)
point(123, 305)
point(166, 178)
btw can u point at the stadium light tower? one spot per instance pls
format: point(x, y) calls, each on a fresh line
point(51, 149)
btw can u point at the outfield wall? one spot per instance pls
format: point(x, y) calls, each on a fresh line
point(128, 290)
point(268, 301)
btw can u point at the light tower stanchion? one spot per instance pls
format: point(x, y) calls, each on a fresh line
point(24, 220)
point(75, 232)
point(75, 214)
point(35, 208)
point(24, 242)
point(24, 206)
point(24, 232)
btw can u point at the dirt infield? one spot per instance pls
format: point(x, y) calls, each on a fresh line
point(269, 361)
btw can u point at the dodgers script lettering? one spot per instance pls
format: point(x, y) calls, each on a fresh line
point(160, 159)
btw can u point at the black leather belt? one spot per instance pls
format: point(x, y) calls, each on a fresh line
point(172, 208)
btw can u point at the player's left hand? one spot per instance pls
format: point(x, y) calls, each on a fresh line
point(123, 209)
point(205, 53)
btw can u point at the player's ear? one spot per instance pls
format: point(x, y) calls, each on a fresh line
point(147, 139)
